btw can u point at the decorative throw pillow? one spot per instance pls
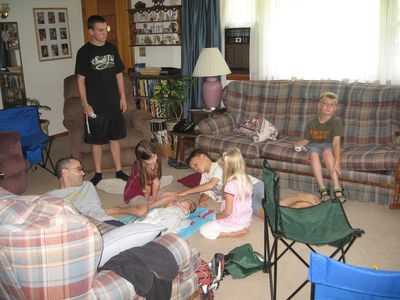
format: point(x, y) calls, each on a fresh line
point(191, 180)
point(126, 237)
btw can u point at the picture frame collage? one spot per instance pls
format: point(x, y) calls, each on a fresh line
point(157, 27)
point(52, 33)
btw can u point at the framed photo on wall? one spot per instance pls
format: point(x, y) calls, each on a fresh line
point(52, 33)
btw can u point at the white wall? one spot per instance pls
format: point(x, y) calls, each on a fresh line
point(159, 56)
point(44, 80)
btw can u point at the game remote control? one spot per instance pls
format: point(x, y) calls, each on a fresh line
point(92, 115)
point(300, 149)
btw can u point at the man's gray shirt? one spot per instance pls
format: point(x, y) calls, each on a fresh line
point(85, 199)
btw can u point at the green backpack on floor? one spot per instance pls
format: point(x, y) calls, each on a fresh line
point(243, 261)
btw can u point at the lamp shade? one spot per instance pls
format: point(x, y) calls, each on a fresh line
point(210, 63)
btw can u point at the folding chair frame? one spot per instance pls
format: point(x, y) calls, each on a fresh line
point(46, 158)
point(271, 256)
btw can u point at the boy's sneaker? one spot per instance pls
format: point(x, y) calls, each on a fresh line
point(324, 194)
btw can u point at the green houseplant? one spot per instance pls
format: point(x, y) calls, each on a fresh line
point(170, 95)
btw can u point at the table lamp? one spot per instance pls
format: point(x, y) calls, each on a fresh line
point(211, 64)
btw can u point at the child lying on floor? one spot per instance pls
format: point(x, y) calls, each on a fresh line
point(172, 217)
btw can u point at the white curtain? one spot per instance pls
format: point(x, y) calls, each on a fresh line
point(355, 40)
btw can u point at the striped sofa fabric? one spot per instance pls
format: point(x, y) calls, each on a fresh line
point(371, 144)
point(49, 251)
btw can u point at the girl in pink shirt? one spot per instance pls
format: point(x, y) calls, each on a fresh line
point(142, 190)
point(234, 217)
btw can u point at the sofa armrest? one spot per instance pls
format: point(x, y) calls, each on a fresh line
point(73, 113)
point(179, 248)
point(109, 285)
point(139, 119)
point(10, 143)
point(217, 124)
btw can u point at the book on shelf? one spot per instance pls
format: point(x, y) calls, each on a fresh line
point(144, 87)
point(149, 105)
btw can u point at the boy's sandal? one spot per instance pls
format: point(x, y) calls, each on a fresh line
point(324, 194)
point(339, 195)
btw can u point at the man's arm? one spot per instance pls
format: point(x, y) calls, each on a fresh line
point(122, 102)
point(80, 81)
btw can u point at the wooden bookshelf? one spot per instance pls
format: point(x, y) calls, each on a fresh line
point(143, 91)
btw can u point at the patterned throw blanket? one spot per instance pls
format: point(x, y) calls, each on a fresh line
point(259, 129)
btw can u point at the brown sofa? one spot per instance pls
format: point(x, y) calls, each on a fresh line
point(137, 126)
point(12, 163)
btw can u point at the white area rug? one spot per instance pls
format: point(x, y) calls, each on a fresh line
point(116, 186)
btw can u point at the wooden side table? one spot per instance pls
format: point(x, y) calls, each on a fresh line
point(199, 114)
point(184, 139)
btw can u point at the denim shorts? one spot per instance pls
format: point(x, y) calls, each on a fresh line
point(319, 147)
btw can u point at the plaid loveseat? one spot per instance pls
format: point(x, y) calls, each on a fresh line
point(49, 251)
point(371, 118)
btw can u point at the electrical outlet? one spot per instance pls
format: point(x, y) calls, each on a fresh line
point(142, 51)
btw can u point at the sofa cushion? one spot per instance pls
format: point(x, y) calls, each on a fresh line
point(303, 102)
point(248, 99)
point(222, 142)
point(371, 157)
point(369, 114)
point(283, 149)
point(30, 212)
point(217, 124)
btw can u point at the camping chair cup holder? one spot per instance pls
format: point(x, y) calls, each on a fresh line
point(36, 145)
point(309, 226)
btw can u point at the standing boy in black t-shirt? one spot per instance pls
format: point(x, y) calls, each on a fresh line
point(101, 89)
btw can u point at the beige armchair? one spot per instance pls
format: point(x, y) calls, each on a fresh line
point(137, 127)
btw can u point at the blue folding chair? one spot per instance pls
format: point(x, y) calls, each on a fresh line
point(336, 280)
point(36, 145)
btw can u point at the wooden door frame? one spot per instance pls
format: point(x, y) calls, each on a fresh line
point(89, 7)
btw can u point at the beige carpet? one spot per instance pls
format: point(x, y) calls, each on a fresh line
point(379, 246)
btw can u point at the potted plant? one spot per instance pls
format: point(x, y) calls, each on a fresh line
point(170, 95)
point(44, 124)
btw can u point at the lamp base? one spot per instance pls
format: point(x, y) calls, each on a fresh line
point(212, 90)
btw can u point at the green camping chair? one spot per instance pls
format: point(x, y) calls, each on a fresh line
point(323, 224)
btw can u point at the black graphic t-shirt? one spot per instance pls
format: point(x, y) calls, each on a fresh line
point(99, 65)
